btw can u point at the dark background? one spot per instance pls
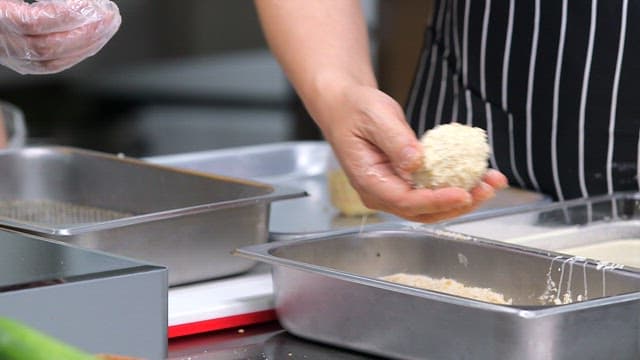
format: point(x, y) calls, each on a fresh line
point(193, 75)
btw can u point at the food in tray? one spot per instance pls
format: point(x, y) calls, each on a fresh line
point(56, 212)
point(449, 286)
point(343, 196)
point(454, 155)
point(624, 252)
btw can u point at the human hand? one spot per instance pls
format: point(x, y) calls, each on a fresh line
point(378, 152)
point(49, 36)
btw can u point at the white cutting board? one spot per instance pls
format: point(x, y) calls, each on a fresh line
point(219, 304)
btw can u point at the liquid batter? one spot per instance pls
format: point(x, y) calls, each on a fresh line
point(624, 252)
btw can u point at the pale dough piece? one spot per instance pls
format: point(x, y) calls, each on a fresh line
point(344, 197)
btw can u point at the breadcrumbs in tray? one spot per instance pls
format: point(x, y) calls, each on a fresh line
point(448, 286)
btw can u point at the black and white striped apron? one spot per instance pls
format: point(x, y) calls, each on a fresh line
point(555, 83)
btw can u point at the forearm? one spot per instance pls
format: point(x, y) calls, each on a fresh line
point(321, 44)
point(324, 49)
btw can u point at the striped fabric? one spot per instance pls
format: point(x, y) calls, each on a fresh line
point(556, 84)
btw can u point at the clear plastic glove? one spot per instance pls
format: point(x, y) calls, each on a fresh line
point(378, 151)
point(49, 36)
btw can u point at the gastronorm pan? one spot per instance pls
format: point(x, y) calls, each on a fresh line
point(304, 164)
point(187, 221)
point(327, 288)
point(605, 228)
point(97, 302)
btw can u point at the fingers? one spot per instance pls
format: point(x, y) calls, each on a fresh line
point(85, 40)
point(479, 195)
point(380, 188)
point(44, 53)
point(496, 179)
point(58, 45)
point(388, 192)
point(486, 190)
point(58, 61)
point(482, 192)
point(51, 16)
point(41, 67)
point(54, 66)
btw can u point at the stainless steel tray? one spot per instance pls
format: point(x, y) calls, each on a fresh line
point(185, 220)
point(563, 227)
point(95, 301)
point(304, 164)
point(327, 289)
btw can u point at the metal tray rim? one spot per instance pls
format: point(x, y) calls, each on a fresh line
point(135, 161)
point(181, 158)
point(262, 252)
point(537, 207)
point(278, 192)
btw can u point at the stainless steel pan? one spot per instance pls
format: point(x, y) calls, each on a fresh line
point(182, 219)
point(327, 288)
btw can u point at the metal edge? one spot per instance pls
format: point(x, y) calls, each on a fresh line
point(573, 230)
point(218, 153)
point(535, 207)
point(92, 276)
point(278, 192)
point(473, 216)
point(262, 252)
point(444, 226)
point(400, 223)
point(530, 250)
point(180, 160)
point(121, 157)
point(133, 262)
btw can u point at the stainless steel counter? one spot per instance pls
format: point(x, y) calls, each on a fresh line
point(260, 342)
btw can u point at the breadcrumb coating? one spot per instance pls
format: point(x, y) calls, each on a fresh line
point(448, 286)
point(455, 155)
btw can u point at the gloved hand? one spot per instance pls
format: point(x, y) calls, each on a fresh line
point(49, 36)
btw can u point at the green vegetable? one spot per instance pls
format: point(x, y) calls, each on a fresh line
point(20, 342)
